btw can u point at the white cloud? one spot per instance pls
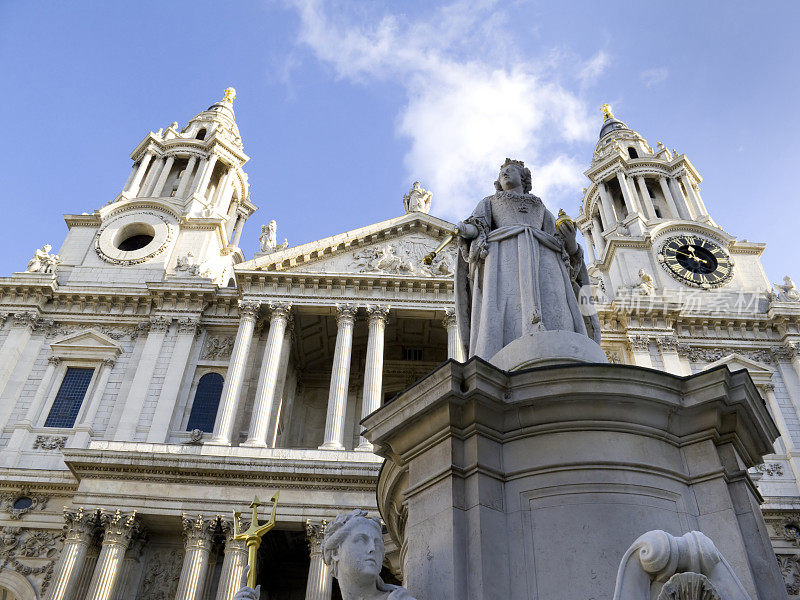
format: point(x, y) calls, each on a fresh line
point(651, 77)
point(471, 100)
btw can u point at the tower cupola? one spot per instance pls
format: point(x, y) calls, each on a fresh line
point(635, 188)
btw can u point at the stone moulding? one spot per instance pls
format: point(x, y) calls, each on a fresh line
point(566, 461)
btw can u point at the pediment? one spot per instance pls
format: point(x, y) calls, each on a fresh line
point(88, 343)
point(759, 372)
point(393, 248)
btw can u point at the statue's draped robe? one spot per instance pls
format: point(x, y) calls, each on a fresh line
point(516, 277)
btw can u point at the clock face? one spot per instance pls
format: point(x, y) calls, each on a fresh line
point(696, 261)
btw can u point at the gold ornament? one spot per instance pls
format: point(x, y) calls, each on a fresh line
point(252, 536)
point(563, 217)
point(606, 108)
point(230, 94)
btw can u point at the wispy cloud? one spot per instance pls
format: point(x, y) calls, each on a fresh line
point(471, 99)
point(654, 76)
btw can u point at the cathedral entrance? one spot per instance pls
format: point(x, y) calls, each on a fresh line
point(283, 563)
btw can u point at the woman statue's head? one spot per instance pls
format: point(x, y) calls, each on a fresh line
point(353, 547)
point(513, 174)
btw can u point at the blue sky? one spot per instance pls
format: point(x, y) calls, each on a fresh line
point(341, 105)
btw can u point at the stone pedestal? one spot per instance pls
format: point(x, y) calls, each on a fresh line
point(534, 484)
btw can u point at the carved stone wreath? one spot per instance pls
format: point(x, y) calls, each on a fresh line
point(17, 504)
point(164, 231)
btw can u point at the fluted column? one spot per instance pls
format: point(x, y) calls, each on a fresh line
point(158, 188)
point(152, 178)
point(340, 378)
point(198, 535)
point(684, 206)
point(589, 235)
point(597, 235)
point(626, 193)
point(186, 178)
point(650, 210)
point(320, 580)
point(607, 206)
point(204, 174)
point(233, 564)
point(131, 568)
point(373, 370)
point(237, 231)
point(673, 208)
point(137, 179)
point(80, 530)
point(264, 405)
point(118, 529)
point(690, 195)
point(232, 388)
point(455, 347)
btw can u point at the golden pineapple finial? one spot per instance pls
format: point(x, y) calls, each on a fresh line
point(230, 94)
point(606, 108)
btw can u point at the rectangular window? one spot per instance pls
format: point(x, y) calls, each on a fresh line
point(69, 398)
point(412, 353)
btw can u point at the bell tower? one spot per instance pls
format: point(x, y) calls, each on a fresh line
point(180, 213)
point(646, 226)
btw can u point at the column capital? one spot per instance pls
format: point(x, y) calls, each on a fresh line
point(248, 309)
point(160, 323)
point(108, 362)
point(667, 343)
point(25, 319)
point(199, 531)
point(315, 534)
point(450, 319)
point(119, 528)
point(638, 342)
point(80, 525)
point(378, 312)
point(227, 531)
point(280, 310)
point(188, 325)
point(346, 313)
point(54, 360)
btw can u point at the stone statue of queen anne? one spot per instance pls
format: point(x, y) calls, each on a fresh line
point(519, 270)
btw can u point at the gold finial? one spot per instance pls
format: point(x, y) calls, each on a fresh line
point(230, 94)
point(562, 218)
point(606, 108)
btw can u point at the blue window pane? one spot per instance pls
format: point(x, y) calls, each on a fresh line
point(69, 398)
point(206, 402)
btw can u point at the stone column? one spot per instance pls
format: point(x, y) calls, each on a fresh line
point(130, 571)
point(340, 378)
point(80, 530)
point(588, 234)
point(224, 185)
point(158, 189)
point(126, 428)
point(691, 197)
point(639, 346)
point(152, 177)
point(198, 535)
point(793, 351)
point(173, 378)
point(373, 370)
point(204, 174)
point(232, 388)
point(676, 213)
point(668, 345)
point(137, 179)
point(186, 178)
point(455, 348)
point(118, 529)
point(84, 425)
point(650, 210)
point(264, 405)
point(684, 207)
point(597, 235)
point(320, 580)
point(630, 205)
point(237, 231)
point(607, 206)
point(230, 578)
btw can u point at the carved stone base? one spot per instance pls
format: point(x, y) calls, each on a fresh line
point(546, 348)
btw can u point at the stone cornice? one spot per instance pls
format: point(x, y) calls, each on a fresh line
point(92, 220)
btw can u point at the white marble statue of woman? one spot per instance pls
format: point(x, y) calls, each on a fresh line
point(353, 549)
point(39, 260)
point(518, 271)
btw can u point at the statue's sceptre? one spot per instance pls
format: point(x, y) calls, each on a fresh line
point(252, 536)
point(431, 255)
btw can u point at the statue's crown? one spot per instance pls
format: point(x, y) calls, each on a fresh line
point(517, 163)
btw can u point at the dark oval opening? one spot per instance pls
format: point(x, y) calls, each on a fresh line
point(135, 242)
point(22, 503)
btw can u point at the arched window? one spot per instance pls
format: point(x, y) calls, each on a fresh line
point(206, 402)
point(633, 153)
point(201, 135)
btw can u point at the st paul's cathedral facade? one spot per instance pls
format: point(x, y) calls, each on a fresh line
point(153, 378)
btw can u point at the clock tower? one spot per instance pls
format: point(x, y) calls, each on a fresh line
point(648, 231)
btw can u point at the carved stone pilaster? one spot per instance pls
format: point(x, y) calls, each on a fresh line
point(667, 343)
point(24, 319)
point(160, 323)
point(638, 343)
point(187, 325)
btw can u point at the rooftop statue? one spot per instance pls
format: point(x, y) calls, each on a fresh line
point(269, 238)
point(42, 261)
point(418, 199)
point(520, 271)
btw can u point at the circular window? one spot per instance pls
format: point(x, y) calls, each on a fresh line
point(134, 236)
point(22, 503)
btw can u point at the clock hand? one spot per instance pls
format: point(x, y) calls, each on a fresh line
point(692, 256)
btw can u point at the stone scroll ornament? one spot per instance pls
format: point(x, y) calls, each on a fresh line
point(679, 568)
